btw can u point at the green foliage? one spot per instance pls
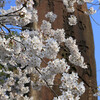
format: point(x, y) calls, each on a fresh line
point(13, 33)
point(3, 75)
point(1, 67)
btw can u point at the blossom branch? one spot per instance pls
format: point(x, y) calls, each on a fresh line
point(46, 82)
point(12, 12)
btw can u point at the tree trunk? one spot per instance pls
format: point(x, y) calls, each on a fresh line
point(82, 32)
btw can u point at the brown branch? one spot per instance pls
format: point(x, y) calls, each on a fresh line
point(11, 12)
point(6, 27)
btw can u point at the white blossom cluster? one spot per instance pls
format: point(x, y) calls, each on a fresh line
point(15, 87)
point(23, 57)
point(4, 52)
point(26, 55)
point(72, 89)
point(45, 27)
point(51, 49)
point(75, 57)
point(54, 67)
point(28, 3)
point(70, 82)
point(59, 35)
point(70, 8)
point(91, 11)
point(20, 15)
point(70, 4)
point(67, 96)
point(72, 20)
point(51, 16)
point(29, 59)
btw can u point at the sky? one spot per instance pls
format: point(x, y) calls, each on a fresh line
point(96, 33)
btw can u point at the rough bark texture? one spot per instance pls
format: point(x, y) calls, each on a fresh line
point(82, 32)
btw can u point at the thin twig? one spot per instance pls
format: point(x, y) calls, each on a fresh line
point(15, 28)
point(95, 21)
point(42, 59)
point(64, 48)
point(19, 42)
point(46, 82)
point(93, 3)
point(12, 12)
point(80, 10)
point(6, 27)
